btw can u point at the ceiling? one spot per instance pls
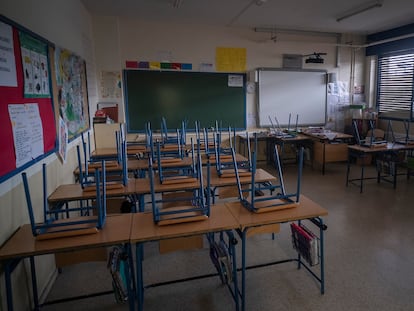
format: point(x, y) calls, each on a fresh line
point(308, 15)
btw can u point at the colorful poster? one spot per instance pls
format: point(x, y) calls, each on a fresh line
point(8, 75)
point(35, 66)
point(111, 84)
point(27, 132)
point(72, 92)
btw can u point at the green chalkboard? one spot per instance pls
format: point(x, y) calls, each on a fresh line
point(184, 96)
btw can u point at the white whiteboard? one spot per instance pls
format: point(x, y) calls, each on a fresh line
point(298, 93)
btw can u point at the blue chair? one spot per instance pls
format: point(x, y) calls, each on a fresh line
point(192, 204)
point(117, 170)
point(175, 169)
point(180, 133)
point(278, 197)
point(58, 221)
point(225, 164)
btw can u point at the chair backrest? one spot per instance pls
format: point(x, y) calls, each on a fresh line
point(376, 133)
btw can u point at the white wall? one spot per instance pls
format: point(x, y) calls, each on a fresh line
point(138, 40)
point(67, 24)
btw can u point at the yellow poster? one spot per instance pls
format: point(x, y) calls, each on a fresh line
point(230, 59)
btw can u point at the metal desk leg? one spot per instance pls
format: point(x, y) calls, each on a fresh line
point(322, 263)
point(34, 283)
point(323, 159)
point(130, 279)
point(7, 277)
point(231, 244)
point(348, 168)
point(139, 277)
point(362, 176)
point(243, 271)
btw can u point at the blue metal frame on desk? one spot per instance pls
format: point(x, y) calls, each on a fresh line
point(230, 243)
point(11, 264)
point(300, 263)
point(50, 216)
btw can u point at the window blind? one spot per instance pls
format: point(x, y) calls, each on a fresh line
point(395, 86)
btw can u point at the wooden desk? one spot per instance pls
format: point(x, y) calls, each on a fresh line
point(362, 152)
point(327, 150)
point(261, 145)
point(299, 140)
point(144, 230)
point(22, 244)
point(247, 220)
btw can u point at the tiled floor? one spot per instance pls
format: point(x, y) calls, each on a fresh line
point(369, 258)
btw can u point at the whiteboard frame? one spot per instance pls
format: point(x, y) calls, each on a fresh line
point(304, 90)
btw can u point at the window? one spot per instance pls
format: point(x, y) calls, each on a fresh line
point(395, 86)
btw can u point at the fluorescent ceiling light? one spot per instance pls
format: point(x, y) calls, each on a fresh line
point(360, 9)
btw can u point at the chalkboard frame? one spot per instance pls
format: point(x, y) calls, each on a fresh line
point(211, 91)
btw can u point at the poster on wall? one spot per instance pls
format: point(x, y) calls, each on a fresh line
point(111, 84)
point(8, 75)
point(230, 59)
point(71, 87)
point(27, 132)
point(35, 66)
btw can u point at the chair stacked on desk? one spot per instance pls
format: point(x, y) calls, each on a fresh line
point(167, 138)
point(116, 167)
point(226, 163)
point(170, 157)
point(195, 201)
point(222, 151)
point(256, 201)
point(68, 221)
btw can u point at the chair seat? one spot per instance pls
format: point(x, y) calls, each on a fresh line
point(273, 205)
point(109, 186)
point(179, 180)
point(182, 217)
point(71, 229)
point(231, 173)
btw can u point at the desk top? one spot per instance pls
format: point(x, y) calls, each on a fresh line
point(73, 192)
point(113, 153)
point(305, 209)
point(296, 138)
point(142, 185)
point(142, 164)
point(22, 243)
point(388, 147)
point(217, 181)
point(144, 229)
point(324, 136)
point(204, 159)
